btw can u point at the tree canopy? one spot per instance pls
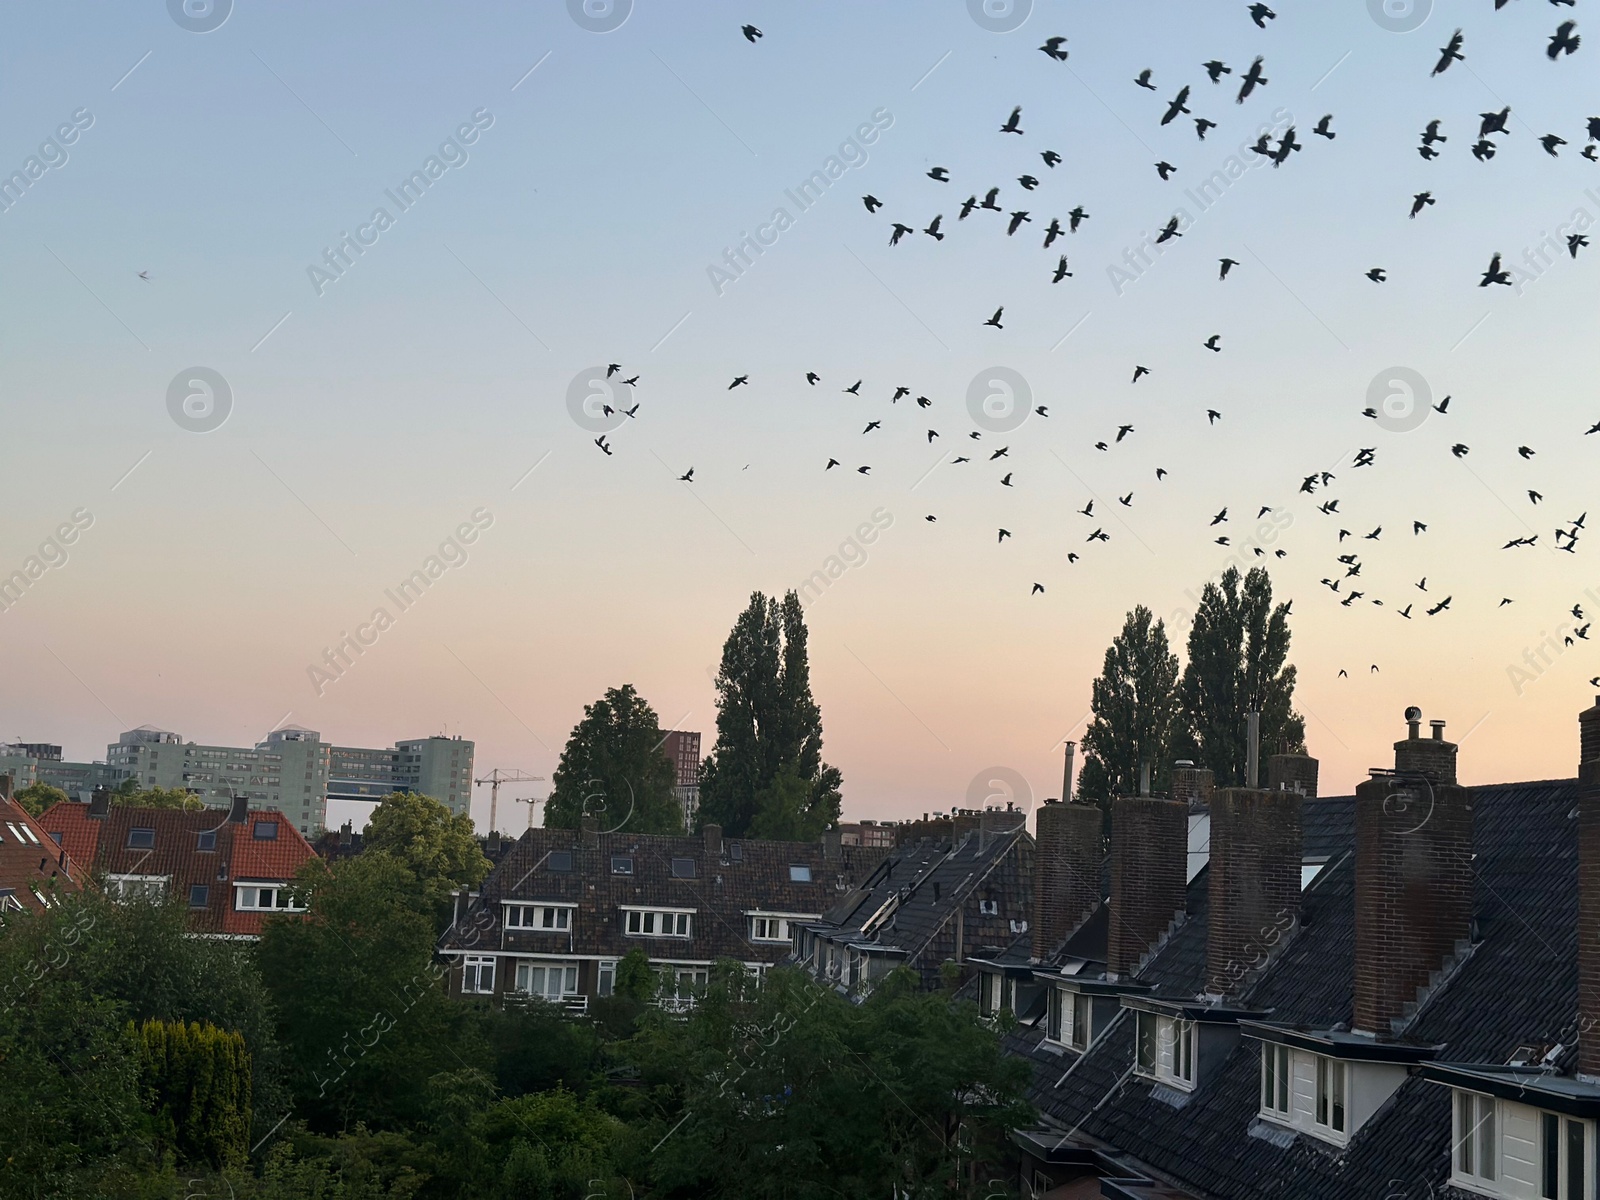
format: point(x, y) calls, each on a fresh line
point(765, 775)
point(1136, 714)
point(614, 769)
point(438, 847)
point(1238, 663)
point(37, 797)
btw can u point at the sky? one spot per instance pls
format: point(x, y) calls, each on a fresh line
point(589, 186)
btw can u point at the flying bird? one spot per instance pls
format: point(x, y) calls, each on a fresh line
point(1377, 275)
point(1078, 216)
point(1493, 122)
point(1212, 416)
point(1227, 265)
point(942, 174)
point(1051, 232)
point(1138, 371)
point(1143, 80)
point(1028, 182)
point(1061, 271)
point(1017, 218)
point(1495, 275)
point(1552, 143)
point(1011, 125)
point(1252, 79)
point(1201, 125)
point(1168, 232)
point(741, 379)
point(995, 320)
point(1178, 107)
point(899, 232)
point(1211, 343)
point(1562, 41)
point(933, 228)
point(1261, 14)
point(1165, 169)
point(751, 33)
point(1217, 70)
point(1052, 47)
point(1051, 158)
point(1324, 128)
point(1450, 53)
point(872, 202)
point(687, 476)
point(1421, 201)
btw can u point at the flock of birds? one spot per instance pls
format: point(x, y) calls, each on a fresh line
point(1345, 579)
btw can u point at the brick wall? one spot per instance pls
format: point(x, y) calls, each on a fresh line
point(1149, 861)
point(1294, 772)
point(1192, 785)
point(1066, 872)
point(1256, 843)
point(1413, 880)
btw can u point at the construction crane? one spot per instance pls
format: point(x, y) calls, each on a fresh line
point(498, 776)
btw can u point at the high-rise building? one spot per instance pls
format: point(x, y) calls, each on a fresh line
point(292, 770)
point(682, 749)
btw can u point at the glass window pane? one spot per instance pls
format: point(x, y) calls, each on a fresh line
point(1322, 1091)
point(1549, 1155)
point(1486, 1148)
point(1338, 1070)
point(1464, 1140)
point(1575, 1159)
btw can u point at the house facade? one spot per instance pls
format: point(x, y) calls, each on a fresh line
point(562, 907)
point(34, 871)
point(231, 866)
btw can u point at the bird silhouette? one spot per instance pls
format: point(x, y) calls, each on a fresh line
point(1076, 217)
point(1261, 14)
point(1252, 79)
point(741, 379)
point(1168, 232)
point(687, 476)
point(1037, 588)
point(995, 320)
point(1138, 371)
point(1178, 107)
point(1123, 431)
point(1431, 134)
point(1449, 53)
point(899, 232)
point(1017, 220)
point(1483, 150)
point(1051, 158)
point(1377, 275)
point(872, 202)
point(854, 389)
point(1227, 265)
point(1028, 182)
point(1143, 80)
point(1212, 416)
point(1440, 607)
point(1552, 144)
point(1495, 275)
point(604, 447)
point(751, 33)
point(1562, 41)
point(1165, 169)
point(1324, 128)
point(1061, 271)
point(1493, 122)
point(933, 228)
point(1052, 47)
point(813, 378)
point(1217, 70)
point(1051, 232)
point(1004, 534)
point(1575, 242)
point(832, 463)
point(1201, 125)
point(1419, 202)
point(942, 174)
point(871, 425)
point(1211, 343)
point(1011, 125)
point(989, 200)
point(967, 205)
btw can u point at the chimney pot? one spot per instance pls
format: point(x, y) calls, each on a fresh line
point(1438, 730)
point(1066, 778)
point(1413, 722)
point(1252, 754)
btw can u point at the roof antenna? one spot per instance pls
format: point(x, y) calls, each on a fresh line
point(1252, 756)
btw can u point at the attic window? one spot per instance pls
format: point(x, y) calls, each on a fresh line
point(264, 831)
point(9, 901)
point(799, 873)
point(735, 852)
point(989, 908)
point(1164, 1050)
point(206, 839)
point(141, 839)
point(199, 894)
point(683, 868)
point(561, 860)
point(621, 864)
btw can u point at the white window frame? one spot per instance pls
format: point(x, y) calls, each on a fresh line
point(1563, 1159)
point(280, 892)
point(540, 918)
point(605, 977)
point(1331, 1101)
point(146, 887)
point(658, 922)
point(474, 968)
point(1172, 1045)
point(1277, 1083)
point(779, 926)
point(1081, 1021)
point(1475, 1141)
point(562, 972)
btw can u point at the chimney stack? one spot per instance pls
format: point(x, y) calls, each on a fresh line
point(1066, 777)
point(1413, 877)
point(1191, 784)
point(1066, 872)
point(1252, 749)
point(713, 836)
point(99, 803)
point(237, 811)
point(1149, 864)
point(5, 787)
point(1589, 892)
point(588, 831)
point(1256, 844)
point(1292, 773)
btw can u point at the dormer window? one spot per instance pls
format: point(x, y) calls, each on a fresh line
point(1068, 1021)
point(1164, 1050)
point(553, 918)
point(1332, 1110)
point(1505, 1148)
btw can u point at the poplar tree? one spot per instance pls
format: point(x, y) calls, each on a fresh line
point(1135, 713)
point(614, 769)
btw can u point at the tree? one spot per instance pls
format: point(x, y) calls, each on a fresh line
point(37, 797)
point(128, 794)
point(765, 772)
point(1135, 706)
point(363, 1013)
point(438, 847)
point(1238, 648)
point(197, 1083)
point(614, 770)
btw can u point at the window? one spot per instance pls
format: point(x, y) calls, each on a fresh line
point(553, 981)
point(606, 978)
point(769, 929)
point(989, 908)
point(9, 901)
point(1274, 1080)
point(1563, 1157)
point(477, 976)
point(799, 873)
point(989, 993)
point(561, 860)
point(1067, 1021)
point(1183, 1051)
point(1474, 1138)
point(653, 923)
point(199, 893)
point(141, 839)
point(556, 918)
point(1145, 1047)
point(735, 852)
point(1082, 1022)
point(1331, 1094)
point(137, 887)
point(621, 864)
point(264, 831)
point(273, 898)
point(206, 840)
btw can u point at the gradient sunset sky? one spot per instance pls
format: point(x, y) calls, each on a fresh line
point(374, 414)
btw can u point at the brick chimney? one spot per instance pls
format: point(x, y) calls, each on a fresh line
point(1066, 871)
point(1191, 784)
point(713, 836)
point(1256, 843)
point(99, 803)
point(1149, 862)
point(1589, 892)
point(1413, 876)
point(1293, 772)
point(239, 810)
point(588, 831)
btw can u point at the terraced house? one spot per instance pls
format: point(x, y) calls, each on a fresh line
point(563, 906)
point(1389, 995)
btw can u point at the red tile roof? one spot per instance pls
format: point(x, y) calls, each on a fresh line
point(33, 862)
point(174, 853)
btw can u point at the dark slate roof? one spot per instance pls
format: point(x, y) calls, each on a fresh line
point(1329, 825)
point(745, 875)
point(1518, 986)
point(928, 882)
